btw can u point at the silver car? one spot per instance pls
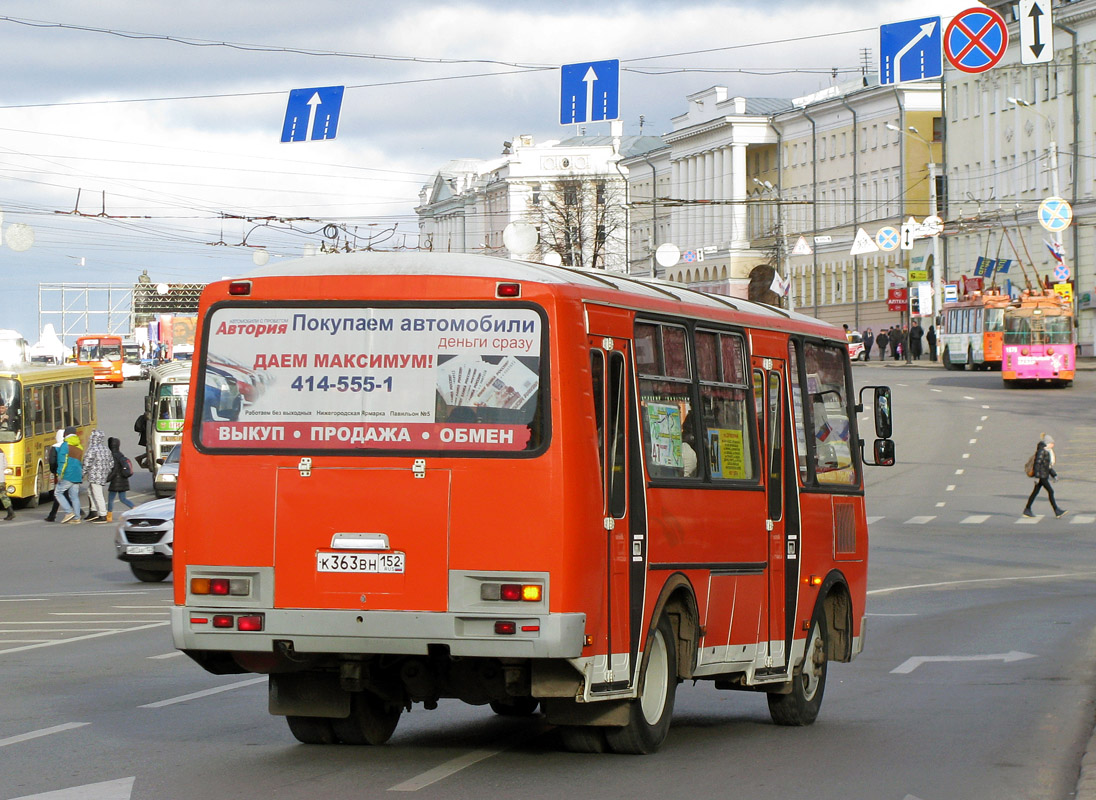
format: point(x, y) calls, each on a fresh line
point(144, 539)
point(167, 474)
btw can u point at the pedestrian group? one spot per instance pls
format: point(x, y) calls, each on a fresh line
point(104, 468)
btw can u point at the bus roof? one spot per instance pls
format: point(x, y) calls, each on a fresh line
point(43, 373)
point(171, 372)
point(479, 266)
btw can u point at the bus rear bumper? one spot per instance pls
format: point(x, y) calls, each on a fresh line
point(307, 631)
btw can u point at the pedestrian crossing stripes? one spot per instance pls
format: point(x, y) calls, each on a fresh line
point(979, 519)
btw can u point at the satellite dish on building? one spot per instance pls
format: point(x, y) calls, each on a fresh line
point(552, 259)
point(667, 255)
point(19, 237)
point(162, 288)
point(520, 238)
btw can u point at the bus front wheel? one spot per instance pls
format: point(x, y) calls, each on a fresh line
point(36, 492)
point(649, 714)
point(948, 363)
point(800, 706)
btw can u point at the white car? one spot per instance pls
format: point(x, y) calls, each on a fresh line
point(167, 473)
point(145, 538)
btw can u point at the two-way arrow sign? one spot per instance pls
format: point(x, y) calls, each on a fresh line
point(1036, 32)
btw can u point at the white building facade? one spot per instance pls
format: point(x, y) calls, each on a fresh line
point(1018, 134)
point(468, 205)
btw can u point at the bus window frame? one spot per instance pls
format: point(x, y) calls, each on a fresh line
point(703, 478)
point(797, 375)
point(196, 402)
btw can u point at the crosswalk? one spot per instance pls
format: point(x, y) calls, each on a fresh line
point(980, 519)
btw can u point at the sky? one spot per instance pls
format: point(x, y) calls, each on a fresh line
point(147, 136)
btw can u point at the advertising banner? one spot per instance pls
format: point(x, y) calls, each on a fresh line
point(372, 378)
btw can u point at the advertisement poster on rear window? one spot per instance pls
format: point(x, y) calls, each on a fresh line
point(372, 378)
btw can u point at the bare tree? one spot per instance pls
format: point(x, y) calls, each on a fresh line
point(582, 219)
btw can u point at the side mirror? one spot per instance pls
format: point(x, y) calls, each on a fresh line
point(883, 418)
point(884, 452)
point(162, 460)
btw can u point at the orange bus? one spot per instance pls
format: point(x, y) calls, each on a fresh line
point(973, 331)
point(104, 355)
point(521, 485)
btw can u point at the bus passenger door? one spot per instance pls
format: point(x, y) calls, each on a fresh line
point(783, 550)
point(609, 368)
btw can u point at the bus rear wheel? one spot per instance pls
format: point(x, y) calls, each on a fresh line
point(148, 575)
point(948, 363)
point(516, 707)
point(800, 706)
point(312, 730)
point(649, 714)
point(372, 720)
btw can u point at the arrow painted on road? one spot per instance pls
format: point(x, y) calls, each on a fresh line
point(121, 789)
point(910, 664)
point(1035, 13)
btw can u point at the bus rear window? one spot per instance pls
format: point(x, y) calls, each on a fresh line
point(372, 379)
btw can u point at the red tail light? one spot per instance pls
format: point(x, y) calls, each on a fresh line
point(249, 622)
point(505, 627)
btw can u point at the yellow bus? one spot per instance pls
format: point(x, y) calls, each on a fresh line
point(36, 400)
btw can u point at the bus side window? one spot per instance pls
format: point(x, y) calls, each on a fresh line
point(724, 400)
point(665, 388)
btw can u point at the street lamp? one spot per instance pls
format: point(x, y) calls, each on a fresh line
point(937, 267)
point(781, 236)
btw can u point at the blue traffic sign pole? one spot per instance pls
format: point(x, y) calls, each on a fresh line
point(312, 114)
point(589, 92)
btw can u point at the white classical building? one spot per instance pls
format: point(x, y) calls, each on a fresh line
point(469, 203)
point(1017, 134)
point(740, 180)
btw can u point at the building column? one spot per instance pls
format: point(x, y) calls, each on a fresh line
point(692, 210)
point(676, 190)
point(740, 235)
point(719, 227)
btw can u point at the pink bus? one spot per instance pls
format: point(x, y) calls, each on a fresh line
point(1039, 345)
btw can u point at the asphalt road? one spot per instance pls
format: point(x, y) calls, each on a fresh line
point(976, 681)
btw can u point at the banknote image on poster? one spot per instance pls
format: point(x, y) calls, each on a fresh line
point(372, 378)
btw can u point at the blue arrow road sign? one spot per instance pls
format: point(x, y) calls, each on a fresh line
point(312, 114)
point(910, 51)
point(589, 92)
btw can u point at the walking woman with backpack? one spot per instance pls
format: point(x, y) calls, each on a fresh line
point(119, 478)
point(1042, 469)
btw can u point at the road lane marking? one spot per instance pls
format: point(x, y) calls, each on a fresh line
point(205, 693)
point(443, 771)
point(1029, 520)
point(940, 584)
point(975, 519)
point(959, 471)
point(172, 654)
point(967, 397)
point(872, 520)
point(950, 487)
point(165, 612)
point(919, 520)
point(941, 504)
point(1083, 518)
point(977, 427)
point(984, 418)
point(82, 638)
point(966, 455)
point(23, 737)
point(973, 441)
